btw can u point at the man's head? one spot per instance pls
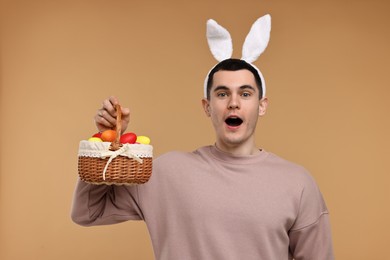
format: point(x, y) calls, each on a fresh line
point(234, 107)
point(234, 65)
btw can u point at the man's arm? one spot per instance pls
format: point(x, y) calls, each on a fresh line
point(310, 236)
point(313, 241)
point(103, 204)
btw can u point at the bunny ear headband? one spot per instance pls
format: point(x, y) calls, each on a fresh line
point(220, 43)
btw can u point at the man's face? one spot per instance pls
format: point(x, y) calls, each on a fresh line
point(234, 108)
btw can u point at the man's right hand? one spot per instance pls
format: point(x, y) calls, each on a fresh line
point(105, 117)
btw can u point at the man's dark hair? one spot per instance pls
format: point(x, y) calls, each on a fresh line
point(234, 65)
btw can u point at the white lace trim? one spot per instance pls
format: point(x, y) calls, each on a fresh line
point(101, 150)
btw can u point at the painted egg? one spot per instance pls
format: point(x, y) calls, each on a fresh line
point(143, 139)
point(128, 138)
point(108, 135)
point(95, 139)
point(99, 134)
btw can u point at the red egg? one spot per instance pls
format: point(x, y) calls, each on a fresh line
point(97, 135)
point(128, 138)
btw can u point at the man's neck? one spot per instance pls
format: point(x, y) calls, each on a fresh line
point(238, 150)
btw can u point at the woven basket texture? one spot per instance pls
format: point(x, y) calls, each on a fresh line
point(121, 171)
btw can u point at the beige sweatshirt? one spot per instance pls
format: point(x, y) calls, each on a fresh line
point(210, 205)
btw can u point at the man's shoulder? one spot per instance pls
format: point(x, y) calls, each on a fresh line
point(180, 156)
point(273, 158)
point(288, 168)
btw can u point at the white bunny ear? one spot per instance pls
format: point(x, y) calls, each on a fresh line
point(257, 39)
point(219, 40)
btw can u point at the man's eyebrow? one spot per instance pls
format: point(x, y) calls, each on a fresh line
point(243, 87)
point(247, 87)
point(220, 88)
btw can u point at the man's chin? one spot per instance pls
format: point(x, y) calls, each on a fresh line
point(233, 141)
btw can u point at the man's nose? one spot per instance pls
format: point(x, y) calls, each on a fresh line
point(233, 102)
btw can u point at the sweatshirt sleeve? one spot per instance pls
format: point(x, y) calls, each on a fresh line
point(310, 236)
point(103, 204)
point(313, 242)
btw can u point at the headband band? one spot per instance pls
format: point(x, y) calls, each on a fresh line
point(220, 44)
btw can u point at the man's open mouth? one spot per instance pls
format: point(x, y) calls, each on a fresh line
point(233, 121)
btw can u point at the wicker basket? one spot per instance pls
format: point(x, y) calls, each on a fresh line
point(115, 163)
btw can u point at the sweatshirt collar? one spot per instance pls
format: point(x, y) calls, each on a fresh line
point(236, 159)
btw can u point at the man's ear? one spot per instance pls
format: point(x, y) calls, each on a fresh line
point(263, 104)
point(206, 106)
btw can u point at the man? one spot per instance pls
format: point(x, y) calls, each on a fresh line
point(230, 200)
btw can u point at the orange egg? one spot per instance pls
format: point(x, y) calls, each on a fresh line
point(108, 135)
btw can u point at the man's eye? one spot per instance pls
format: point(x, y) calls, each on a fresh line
point(246, 94)
point(222, 94)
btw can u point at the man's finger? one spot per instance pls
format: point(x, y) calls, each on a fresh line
point(109, 107)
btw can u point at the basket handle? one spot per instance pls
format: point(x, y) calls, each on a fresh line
point(116, 144)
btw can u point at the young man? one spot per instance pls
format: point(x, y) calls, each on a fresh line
point(230, 200)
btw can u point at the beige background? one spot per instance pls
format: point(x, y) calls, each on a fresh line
point(326, 67)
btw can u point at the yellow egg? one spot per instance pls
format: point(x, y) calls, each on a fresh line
point(95, 139)
point(143, 139)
